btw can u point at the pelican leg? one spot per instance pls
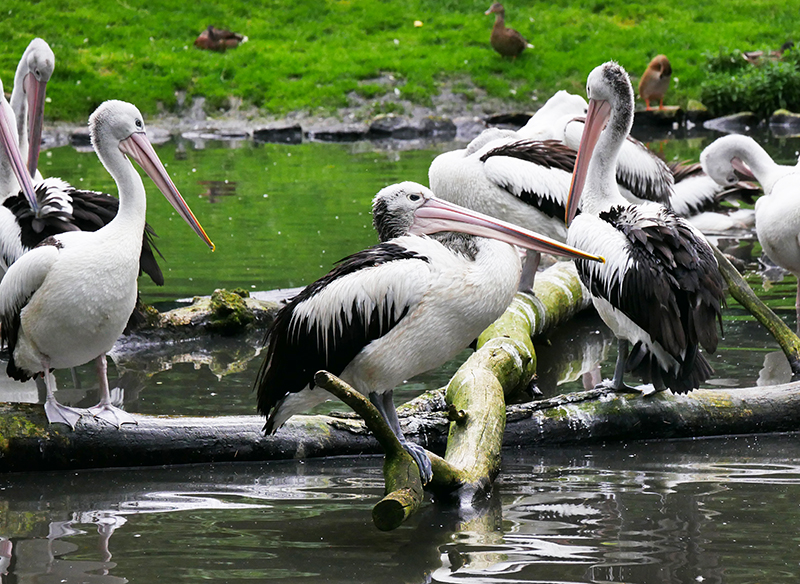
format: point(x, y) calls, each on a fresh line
point(797, 307)
point(616, 383)
point(383, 402)
point(104, 410)
point(55, 412)
point(529, 267)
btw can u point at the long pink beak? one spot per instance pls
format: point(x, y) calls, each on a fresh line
point(437, 215)
point(138, 147)
point(8, 136)
point(596, 118)
point(35, 91)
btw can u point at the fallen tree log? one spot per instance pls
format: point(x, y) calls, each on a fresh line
point(27, 442)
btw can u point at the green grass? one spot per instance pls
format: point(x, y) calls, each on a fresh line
point(310, 54)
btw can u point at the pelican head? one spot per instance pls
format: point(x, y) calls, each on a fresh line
point(33, 72)
point(118, 126)
point(409, 208)
point(610, 109)
point(723, 158)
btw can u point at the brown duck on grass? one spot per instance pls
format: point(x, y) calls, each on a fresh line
point(506, 41)
point(655, 81)
point(218, 39)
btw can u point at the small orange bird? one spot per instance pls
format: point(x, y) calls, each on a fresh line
point(655, 81)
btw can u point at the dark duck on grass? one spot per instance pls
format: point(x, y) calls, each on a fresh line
point(440, 275)
point(660, 287)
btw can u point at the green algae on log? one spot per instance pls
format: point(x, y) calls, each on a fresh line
point(28, 443)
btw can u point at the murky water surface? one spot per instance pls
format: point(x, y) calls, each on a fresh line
point(721, 510)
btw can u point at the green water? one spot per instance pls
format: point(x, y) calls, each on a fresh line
point(718, 511)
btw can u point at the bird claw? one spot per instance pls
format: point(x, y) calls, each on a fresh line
point(618, 388)
point(112, 414)
point(420, 456)
point(60, 414)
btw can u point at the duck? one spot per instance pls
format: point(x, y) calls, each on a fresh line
point(218, 39)
point(506, 41)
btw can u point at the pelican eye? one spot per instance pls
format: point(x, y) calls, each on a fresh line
point(414, 198)
point(139, 123)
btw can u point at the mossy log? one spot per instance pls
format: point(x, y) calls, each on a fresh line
point(27, 442)
point(744, 295)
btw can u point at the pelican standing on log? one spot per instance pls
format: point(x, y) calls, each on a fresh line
point(660, 287)
point(777, 211)
point(66, 302)
point(396, 309)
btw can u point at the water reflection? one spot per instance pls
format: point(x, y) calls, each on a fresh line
point(642, 512)
point(693, 511)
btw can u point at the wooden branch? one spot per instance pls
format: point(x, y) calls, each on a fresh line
point(743, 294)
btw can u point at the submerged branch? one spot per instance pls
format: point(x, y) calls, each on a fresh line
point(743, 294)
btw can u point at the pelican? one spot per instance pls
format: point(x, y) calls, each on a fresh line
point(778, 211)
point(654, 83)
point(641, 175)
point(66, 301)
point(60, 207)
point(524, 182)
point(28, 98)
point(396, 309)
point(660, 288)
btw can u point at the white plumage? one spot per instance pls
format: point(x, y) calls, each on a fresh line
point(66, 301)
point(396, 309)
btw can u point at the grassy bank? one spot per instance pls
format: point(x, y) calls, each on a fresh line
point(312, 54)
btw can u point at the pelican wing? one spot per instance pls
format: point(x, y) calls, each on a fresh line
point(538, 172)
point(20, 283)
point(333, 319)
point(65, 208)
point(664, 277)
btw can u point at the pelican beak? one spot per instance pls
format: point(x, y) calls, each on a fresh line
point(8, 136)
point(742, 169)
point(596, 117)
point(437, 215)
point(138, 147)
point(35, 92)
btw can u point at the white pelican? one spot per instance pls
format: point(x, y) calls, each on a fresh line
point(524, 182)
point(661, 288)
point(66, 301)
point(396, 309)
point(777, 211)
point(61, 207)
point(641, 174)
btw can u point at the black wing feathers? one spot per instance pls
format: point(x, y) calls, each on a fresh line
point(546, 153)
point(90, 211)
point(673, 290)
point(295, 354)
